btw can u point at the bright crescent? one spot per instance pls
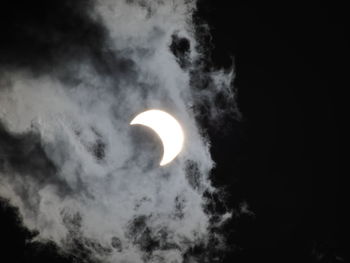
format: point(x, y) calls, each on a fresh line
point(168, 129)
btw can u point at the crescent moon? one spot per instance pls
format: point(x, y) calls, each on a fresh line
point(167, 128)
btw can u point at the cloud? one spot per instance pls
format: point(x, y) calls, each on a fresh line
point(79, 173)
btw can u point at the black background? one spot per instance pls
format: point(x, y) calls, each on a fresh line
point(282, 158)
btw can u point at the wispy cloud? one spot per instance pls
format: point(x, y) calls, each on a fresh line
point(69, 159)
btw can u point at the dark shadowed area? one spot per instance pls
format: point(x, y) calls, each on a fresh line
point(37, 34)
point(283, 158)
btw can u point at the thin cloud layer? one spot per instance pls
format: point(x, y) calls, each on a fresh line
point(79, 173)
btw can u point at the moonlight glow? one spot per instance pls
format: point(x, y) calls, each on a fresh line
point(168, 129)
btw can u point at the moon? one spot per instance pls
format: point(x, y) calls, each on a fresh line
point(167, 128)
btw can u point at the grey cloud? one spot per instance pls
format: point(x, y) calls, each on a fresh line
point(95, 185)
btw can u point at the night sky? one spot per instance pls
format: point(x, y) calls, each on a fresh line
point(290, 62)
point(277, 160)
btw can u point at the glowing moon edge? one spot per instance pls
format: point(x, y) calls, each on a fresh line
point(168, 130)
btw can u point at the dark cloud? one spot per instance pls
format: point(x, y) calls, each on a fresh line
point(39, 34)
point(17, 242)
point(23, 154)
point(180, 46)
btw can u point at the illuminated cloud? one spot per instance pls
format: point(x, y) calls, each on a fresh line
point(69, 158)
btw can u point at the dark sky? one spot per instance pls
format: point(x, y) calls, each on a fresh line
point(282, 157)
